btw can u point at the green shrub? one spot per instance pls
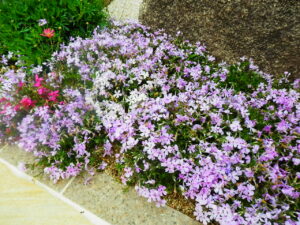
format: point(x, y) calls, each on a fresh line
point(21, 32)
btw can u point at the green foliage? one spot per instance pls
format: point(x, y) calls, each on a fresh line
point(242, 79)
point(20, 30)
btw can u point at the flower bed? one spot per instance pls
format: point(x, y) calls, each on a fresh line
point(38, 28)
point(172, 120)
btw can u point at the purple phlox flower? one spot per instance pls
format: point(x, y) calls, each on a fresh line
point(267, 128)
point(296, 84)
point(102, 166)
point(73, 170)
point(228, 169)
point(246, 191)
point(261, 179)
point(269, 154)
point(153, 195)
point(128, 172)
point(234, 175)
point(296, 161)
point(180, 119)
point(287, 190)
point(79, 147)
point(216, 119)
point(54, 173)
point(42, 22)
point(107, 148)
point(197, 127)
point(282, 126)
point(181, 83)
point(249, 173)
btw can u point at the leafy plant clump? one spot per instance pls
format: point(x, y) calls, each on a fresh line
point(39, 27)
point(224, 136)
point(50, 120)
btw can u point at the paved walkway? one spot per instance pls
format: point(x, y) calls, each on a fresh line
point(123, 10)
point(24, 203)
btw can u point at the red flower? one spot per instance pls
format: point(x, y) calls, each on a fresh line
point(43, 91)
point(27, 103)
point(3, 99)
point(38, 81)
point(49, 33)
point(20, 84)
point(17, 107)
point(7, 130)
point(53, 96)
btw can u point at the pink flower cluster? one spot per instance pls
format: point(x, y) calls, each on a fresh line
point(19, 96)
point(44, 92)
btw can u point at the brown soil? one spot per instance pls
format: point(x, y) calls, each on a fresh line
point(180, 203)
point(107, 2)
point(266, 30)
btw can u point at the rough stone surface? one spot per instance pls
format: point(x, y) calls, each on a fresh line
point(266, 30)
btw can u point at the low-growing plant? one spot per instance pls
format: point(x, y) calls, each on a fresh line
point(225, 136)
point(173, 120)
point(64, 139)
point(45, 117)
point(36, 28)
point(19, 94)
point(243, 77)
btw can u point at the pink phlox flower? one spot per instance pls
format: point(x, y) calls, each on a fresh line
point(3, 99)
point(52, 96)
point(42, 91)
point(17, 107)
point(21, 84)
point(38, 81)
point(27, 102)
